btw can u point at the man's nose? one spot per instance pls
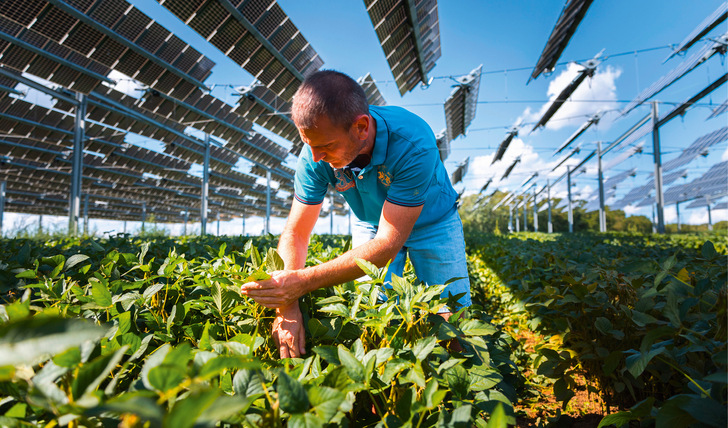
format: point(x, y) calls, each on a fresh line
point(317, 154)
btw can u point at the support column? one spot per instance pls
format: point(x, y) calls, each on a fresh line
point(40, 224)
point(244, 224)
point(710, 218)
point(187, 217)
point(548, 196)
point(124, 227)
point(677, 211)
point(205, 187)
point(602, 208)
point(3, 187)
point(77, 165)
point(518, 224)
point(568, 185)
point(654, 222)
point(144, 215)
point(218, 224)
point(85, 214)
point(267, 203)
point(525, 213)
point(510, 218)
point(331, 218)
point(659, 197)
point(535, 210)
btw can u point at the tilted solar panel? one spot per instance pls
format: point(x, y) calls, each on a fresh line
point(443, 144)
point(710, 22)
point(504, 146)
point(460, 171)
point(409, 33)
point(374, 97)
point(461, 105)
point(588, 71)
point(719, 110)
point(697, 148)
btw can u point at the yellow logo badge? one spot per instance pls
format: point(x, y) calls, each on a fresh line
point(385, 177)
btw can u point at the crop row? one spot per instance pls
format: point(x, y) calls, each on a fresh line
point(641, 317)
point(127, 332)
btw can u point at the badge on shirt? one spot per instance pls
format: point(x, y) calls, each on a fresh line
point(384, 176)
point(344, 180)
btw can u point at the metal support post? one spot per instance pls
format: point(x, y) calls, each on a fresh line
point(244, 224)
point(187, 217)
point(124, 226)
point(144, 215)
point(331, 218)
point(218, 224)
point(525, 213)
point(677, 211)
point(548, 196)
point(510, 218)
point(77, 165)
point(710, 217)
point(205, 187)
point(40, 224)
point(518, 224)
point(85, 214)
point(571, 212)
point(3, 187)
point(535, 210)
point(659, 197)
point(602, 208)
point(267, 203)
point(654, 222)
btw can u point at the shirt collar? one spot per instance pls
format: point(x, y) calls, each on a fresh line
point(379, 153)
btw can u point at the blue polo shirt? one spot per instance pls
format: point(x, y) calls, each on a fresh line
point(405, 170)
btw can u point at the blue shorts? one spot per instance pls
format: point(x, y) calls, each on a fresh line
point(437, 253)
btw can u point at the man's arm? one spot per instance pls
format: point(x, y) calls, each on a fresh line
point(287, 286)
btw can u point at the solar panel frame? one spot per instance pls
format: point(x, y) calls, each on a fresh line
point(719, 110)
point(708, 24)
point(461, 106)
point(374, 96)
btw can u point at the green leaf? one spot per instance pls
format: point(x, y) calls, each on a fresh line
point(74, 260)
point(637, 363)
point(708, 250)
point(91, 374)
point(642, 319)
point(204, 343)
point(368, 268)
point(336, 309)
point(353, 366)
point(17, 411)
point(273, 260)
point(145, 408)
point(707, 411)
point(304, 420)
point(70, 358)
point(672, 312)
point(619, 419)
point(477, 328)
point(25, 341)
point(394, 367)
point(325, 402)
point(603, 325)
point(673, 414)
point(291, 394)
point(165, 377)
point(424, 347)
point(26, 274)
point(458, 380)
point(18, 310)
point(329, 353)
point(187, 411)
point(316, 328)
point(498, 418)
point(247, 383)
point(562, 392)
point(101, 294)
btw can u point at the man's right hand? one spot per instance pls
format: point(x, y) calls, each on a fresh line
point(289, 332)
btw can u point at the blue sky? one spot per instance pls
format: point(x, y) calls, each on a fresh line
point(507, 38)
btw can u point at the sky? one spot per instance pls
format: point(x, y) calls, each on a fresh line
point(633, 39)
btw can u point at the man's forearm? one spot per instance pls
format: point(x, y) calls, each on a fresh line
point(344, 267)
point(293, 248)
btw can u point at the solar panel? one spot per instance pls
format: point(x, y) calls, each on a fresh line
point(485, 186)
point(510, 168)
point(443, 144)
point(719, 110)
point(592, 121)
point(461, 105)
point(712, 183)
point(721, 206)
point(504, 145)
point(613, 181)
point(587, 71)
point(409, 33)
point(565, 27)
point(697, 148)
point(257, 35)
point(374, 97)
point(565, 158)
point(460, 171)
point(702, 55)
point(617, 160)
point(710, 22)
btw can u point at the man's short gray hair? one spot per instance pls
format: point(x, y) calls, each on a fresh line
point(329, 93)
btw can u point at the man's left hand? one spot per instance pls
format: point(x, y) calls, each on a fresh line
point(280, 291)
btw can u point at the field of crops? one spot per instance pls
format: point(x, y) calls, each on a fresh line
point(152, 332)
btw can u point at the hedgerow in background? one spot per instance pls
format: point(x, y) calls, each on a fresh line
point(133, 332)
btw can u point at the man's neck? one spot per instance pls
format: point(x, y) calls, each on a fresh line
point(371, 137)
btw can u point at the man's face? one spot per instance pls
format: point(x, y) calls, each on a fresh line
point(333, 144)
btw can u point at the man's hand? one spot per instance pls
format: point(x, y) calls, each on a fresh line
point(288, 331)
point(280, 291)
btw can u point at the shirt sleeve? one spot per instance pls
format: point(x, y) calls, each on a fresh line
point(412, 178)
point(309, 184)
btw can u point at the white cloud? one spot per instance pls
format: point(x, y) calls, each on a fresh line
point(725, 155)
point(598, 93)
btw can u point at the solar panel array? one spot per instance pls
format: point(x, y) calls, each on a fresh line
point(374, 97)
point(587, 71)
point(667, 179)
point(617, 160)
point(719, 110)
point(459, 173)
point(503, 146)
point(569, 20)
point(461, 105)
point(697, 148)
point(712, 183)
point(710, 22)
point(721, 206)
point(443, 144)
point(689, 64)
point(76, 44)
point(409, 33)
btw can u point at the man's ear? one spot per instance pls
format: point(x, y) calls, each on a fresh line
point(362, 126)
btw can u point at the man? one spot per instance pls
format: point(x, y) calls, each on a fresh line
point(386, 164)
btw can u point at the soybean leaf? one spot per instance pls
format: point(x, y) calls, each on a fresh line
point(248, 383)
point(91, 374)
point(165, 377)
point(25, 341)
point(273, 260)
point(74, 260)
point(636, 363)
point(619, 419)
point(424, 347)
point(477, 328)
point(325, 402)
point(368, 268)
point(187, 411)
point(353, 366)
point(498, 418)
point(291, 394)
